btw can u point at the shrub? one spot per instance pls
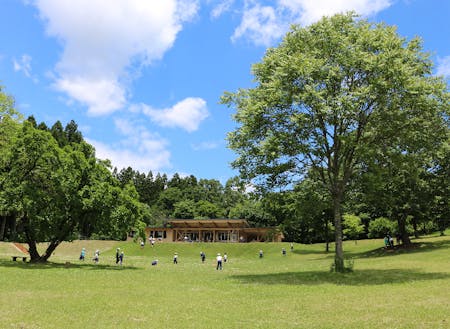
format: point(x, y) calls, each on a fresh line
point(380, 226)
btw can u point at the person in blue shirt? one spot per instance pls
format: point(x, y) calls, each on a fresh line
point(82, 254)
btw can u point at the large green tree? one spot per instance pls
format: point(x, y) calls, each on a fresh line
point(54, 192)
point(9, 126)
point(325, 98)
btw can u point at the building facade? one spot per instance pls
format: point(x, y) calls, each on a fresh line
point(213, 230)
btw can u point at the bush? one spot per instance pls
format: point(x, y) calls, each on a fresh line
point(379, 227)
point(349, 264)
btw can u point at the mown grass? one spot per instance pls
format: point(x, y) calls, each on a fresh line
point(401, 289)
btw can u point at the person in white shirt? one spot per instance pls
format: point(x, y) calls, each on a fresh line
point(219, 262)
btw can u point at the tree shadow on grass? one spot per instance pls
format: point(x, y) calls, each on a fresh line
point(51, 265)
point(416, 247)
point(312, 252)
point(357, 278)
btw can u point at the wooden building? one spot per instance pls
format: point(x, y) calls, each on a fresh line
point(212, 230)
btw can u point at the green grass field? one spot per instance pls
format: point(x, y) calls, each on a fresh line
point(401, 289)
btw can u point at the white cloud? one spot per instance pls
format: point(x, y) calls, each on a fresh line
point(203, 146)
point(139, 148)
point(24, 65)
point(310, 11)
point(221, 8)
point(263, 25)
point(103, 40)
point(260, 24)
point(186, 114)
point(443, 67)
point(102, 95)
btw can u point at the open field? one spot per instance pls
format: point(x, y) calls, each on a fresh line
point(402, 289)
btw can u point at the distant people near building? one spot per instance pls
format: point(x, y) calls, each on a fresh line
point(96, 256)
point(219, 262)
point(283, 251)
point(225, 257)
point(117, 255)
point(175, 258)
point(292, 246)
point(82, 254)
point(202, 256)
point(261, 254)
point(152, 241)
point(121, 258)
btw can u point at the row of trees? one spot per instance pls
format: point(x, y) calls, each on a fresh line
point(54, 189)
point(192, 198)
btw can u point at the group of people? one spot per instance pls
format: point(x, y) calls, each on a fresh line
point(219, 258)
point(388, 241)
point(96, 257)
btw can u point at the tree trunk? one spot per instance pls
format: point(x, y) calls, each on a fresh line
point(2, 227)
point(327, 240)
point(339, 251)
point(49, 251)
point(32, 250)
point(31, 241)
point(404, 236)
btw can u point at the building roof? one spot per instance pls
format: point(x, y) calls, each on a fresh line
point(208, 223)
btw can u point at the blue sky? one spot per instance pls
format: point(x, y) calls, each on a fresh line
point(143, 78)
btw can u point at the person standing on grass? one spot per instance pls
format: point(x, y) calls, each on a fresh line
point(261, 253)
point(219, 262)
point(82, 254)
point(117, 255)
point(283, 251)
point(292, 246)
point(142, 244)
point(225, 257)
point(175, 258)
point(202, 256)
point(96, 256)
point(121, 258)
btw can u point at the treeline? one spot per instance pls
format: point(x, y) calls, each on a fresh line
point(53, 189)
point(412, 195)
point(194, 198)
point(416, 195)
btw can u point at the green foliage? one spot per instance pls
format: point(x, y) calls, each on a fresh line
point(207, 209)
point(54, 189)
point(353, 228)
point(379, 227)
point(185, 209)
point(330, 98)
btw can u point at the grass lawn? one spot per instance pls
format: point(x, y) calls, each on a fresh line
point(401, 289)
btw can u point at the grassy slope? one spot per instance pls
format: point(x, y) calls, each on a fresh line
point(405, 289)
